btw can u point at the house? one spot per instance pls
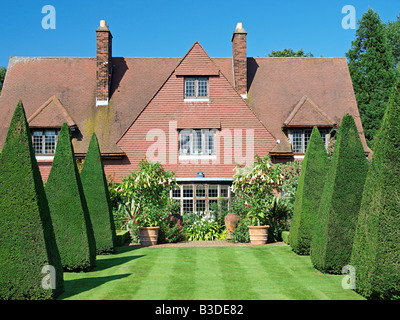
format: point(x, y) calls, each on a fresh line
point(197, 115)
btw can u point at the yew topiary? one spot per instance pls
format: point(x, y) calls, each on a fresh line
point(68, 208)
point(95, 187)
point(311, 181)
point(27, 241)
point(376, 249)
point(340, 203)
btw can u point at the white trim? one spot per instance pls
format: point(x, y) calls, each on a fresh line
point(299, 157)
point(244, 96)
point(101, 102)
point(196, 100)
point(44, 158)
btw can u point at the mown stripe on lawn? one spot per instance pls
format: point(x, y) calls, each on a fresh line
point(181, 284)
point(235, 278)
point(208, 278)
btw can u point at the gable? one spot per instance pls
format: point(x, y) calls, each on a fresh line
point(50, 114)
point(307, 114)
point(197, 62)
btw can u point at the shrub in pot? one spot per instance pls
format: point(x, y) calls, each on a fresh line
point(256, 184)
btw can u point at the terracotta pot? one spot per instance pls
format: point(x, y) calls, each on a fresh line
point(258, 234)
point(231, 221)
point(148, 235)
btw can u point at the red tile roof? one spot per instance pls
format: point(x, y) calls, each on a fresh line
point(275, 87)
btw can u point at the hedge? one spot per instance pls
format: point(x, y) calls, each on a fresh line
point(68, 208)
point(122, 236)
point(340, 204)
point(376, 249)
point(27, 241)
point(308, 194)
point(95, 187)
point(285, 237)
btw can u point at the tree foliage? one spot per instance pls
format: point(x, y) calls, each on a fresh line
point(255, 184)
point(68, 208)
point(308, 195)
point(332, 239)
point(290, 53)
point(27, 241)
point(376, 249)
point(95, 187)
point(371, 64)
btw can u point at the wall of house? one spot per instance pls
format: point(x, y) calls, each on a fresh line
point(155, 132)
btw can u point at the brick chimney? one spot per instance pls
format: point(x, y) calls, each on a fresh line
point(239, 54)
point(103, 64)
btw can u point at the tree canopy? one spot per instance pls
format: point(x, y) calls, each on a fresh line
point(290, 53)
point(371, 66)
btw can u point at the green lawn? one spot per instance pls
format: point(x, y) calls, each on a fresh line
point(221, 273)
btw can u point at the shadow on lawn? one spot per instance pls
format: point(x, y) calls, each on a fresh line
point(77, 286)
point(116, 259)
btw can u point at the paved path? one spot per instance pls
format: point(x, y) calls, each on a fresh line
point(217, 243)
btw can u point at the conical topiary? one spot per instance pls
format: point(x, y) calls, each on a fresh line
point(94, 184)
point(311, 181)
point(340, 203)
point(68, 208)
point(376, 249)
point(27, 242)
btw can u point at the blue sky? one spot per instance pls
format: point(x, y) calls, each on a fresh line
point(168, 28)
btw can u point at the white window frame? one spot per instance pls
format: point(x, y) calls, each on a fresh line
point(193, 149)
point(43, 140)
point(323, 131)
point(196, 96)
point(207, 198)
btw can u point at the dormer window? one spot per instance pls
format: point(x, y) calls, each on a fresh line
point(196, 88)
point(45, 141)
point(299, 138)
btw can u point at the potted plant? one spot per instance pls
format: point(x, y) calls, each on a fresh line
point(149, 187)
point(148, 224)
point(258, 230)
point(256, 184)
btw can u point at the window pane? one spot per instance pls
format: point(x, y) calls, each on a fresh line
point(37, 141)
point(307, 135)
point(296, 141)
point(197, 141)
point(213, 191)
point(188, 191)
point(49, 141)
point(202, 87)
point(184, 141)
point(190, 88)
point(224, 191)
point(209, 143)
point(200, 191)
point(187, 205)
point(176, 193)
point(200, 205)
